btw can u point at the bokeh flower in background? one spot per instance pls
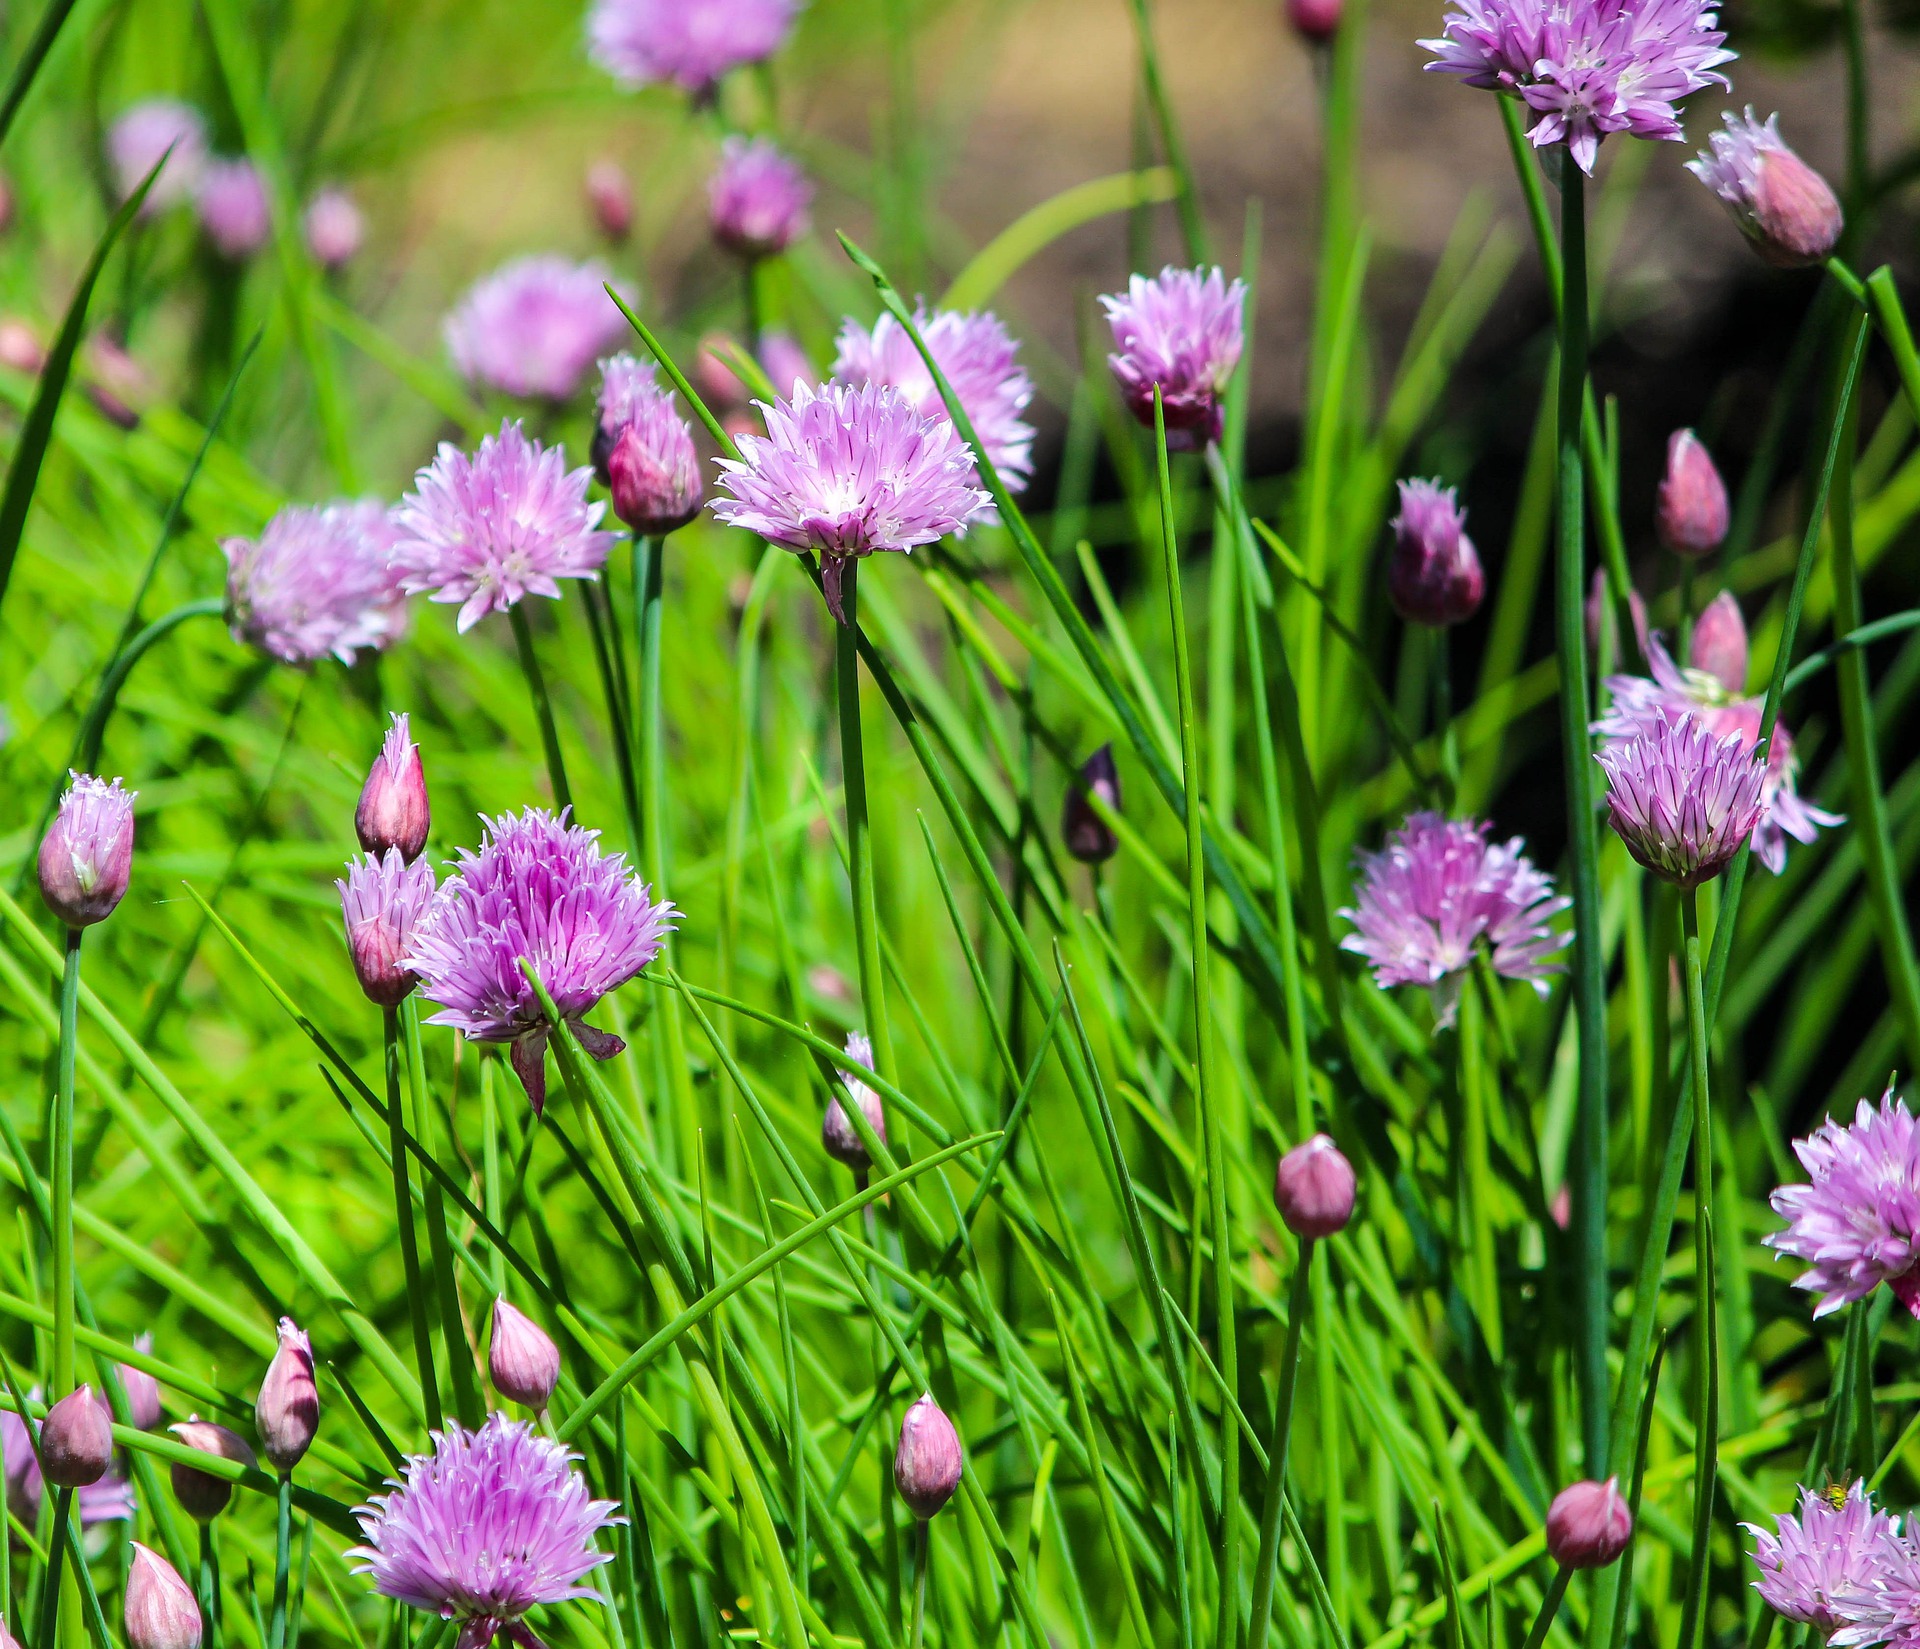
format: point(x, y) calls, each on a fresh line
point(1682, 799)
point(1690, 510)
point(538, 887)
point(334, 227)
point(489, 529)
point(145, 132)
point(1181, 332)
point(491, 1524)
point(689, 43)
point(1586, 68)
point(757, 199)
point(850, 472)
point(1782, 205)
point(233, 208)
point(535, 326)
point(1817, 1566)
point(610, 198)
point(980, 361)
point(317, 580)
point(643, 449)
point(1438, 891)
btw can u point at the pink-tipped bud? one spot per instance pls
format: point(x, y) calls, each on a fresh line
point(1719, 643)
point(1434, 575)
point(393, 810)
point(654, 476)
point(1690, 513)
point(1588, 1525)
point(929, 1461)
point(287, 1412)
point(141, 1389)
point(1597, 603)
point(523, 1360)
point(203, 1496)
point(838, 1136)
point(610, 198)
point(1315, 21)
point(1783, 206)
point(1313, 1188)
point(86, 856)
point(1088, 837)
point(76, 1440)
point(161, 1611)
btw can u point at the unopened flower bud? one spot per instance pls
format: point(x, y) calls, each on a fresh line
point(1434, 575)
point(838, 1136)
point(161, 1611)
point(141, 1389)
point(1088, 837)
point(1588, 1525)
point(1313, 1188)
point(610, 198)
point(86, 856)
point(643, 449)
point(1315, 21)
point(929, 1461)
point(522, 1359)
point(382, 901)
point(393, 810)
point(1782, 205)
point(1719, 643)
point(287, 1412)
point(1690, 512)
point(76, 1440)
point(203, 1496)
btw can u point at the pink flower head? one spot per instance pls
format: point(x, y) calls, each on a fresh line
point(489, 530)
point(1682, 799)
point(334, 227)
point(1587, 68)
point(978, 358)
point(318, 580)
point(850, 471)
point(691, 43)
point(489, 1525)
point(643, 450)
point(1434, 575)
point(1857, 1224)
point(1438, 889)
point(384, 900)
point(233, 208)
point(86, 856)
point(757, 199)
point(1886, 1609)
point(1182, 332)
point(539, 888)
point(534, 326)
point(1701, 694)
point(144, 133)
point(1782, 205)
point(1814, 1568)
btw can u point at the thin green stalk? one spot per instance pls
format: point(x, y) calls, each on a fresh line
point(1193, 226)
point(282, 1556)
point(1483, 1262)
point(1266, 1564)
point(1228, 1615)
point(853, 779)
point(61, 1174)
point(542, 705)
point(922, 1556)
point(56, 1555)
point(1706, 1414)
point(1589, 1168)
point(206, 1589)
point(403, 1213)
point(1549, 1607)
point(467, 1401)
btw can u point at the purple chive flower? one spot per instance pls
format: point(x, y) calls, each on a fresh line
point(1182, 332)
point(1681, 798)
point(1587, 68)
point(757, 199)
point(1700, 694)
point(383, 901)
point(1438, 889)
point(108, 1499)
point(1782, 205)
point(850, 471)
point(978, 358)
point(489, 530)
point(538, 888)
point(1857, 1224)
point(144, 133)
point(691, 43)
point(1815, 1567)
point(534, 326)
point(318, 580)
point(233, 208)
point(334, 227)
point(86, 856)
point(1433, 575)
point(491, 1524)
point(643, 450)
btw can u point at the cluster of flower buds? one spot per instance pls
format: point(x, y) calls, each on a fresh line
point(1434, 577)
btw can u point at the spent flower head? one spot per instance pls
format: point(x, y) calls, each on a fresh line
point(690, 43)
point(758, 198)
point(319, 579)
point(1182, 333)
point(535, 326)
point(1782, 205)
point(1815, 1566)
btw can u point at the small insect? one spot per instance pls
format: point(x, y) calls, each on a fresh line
point(1835, 1495)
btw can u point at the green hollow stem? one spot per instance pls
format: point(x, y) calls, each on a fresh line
point(207, 1588)
point(61, 1147)
point(403, 1214)
point(462, 1383)
point(1267, 1562)
point(922, 1555)
point(1549, 1607)
point(542, 705)
point(282, 1556)
point(1706, 1332)
point(56, 1555)
point(853, 778)
point(1589, 1213)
